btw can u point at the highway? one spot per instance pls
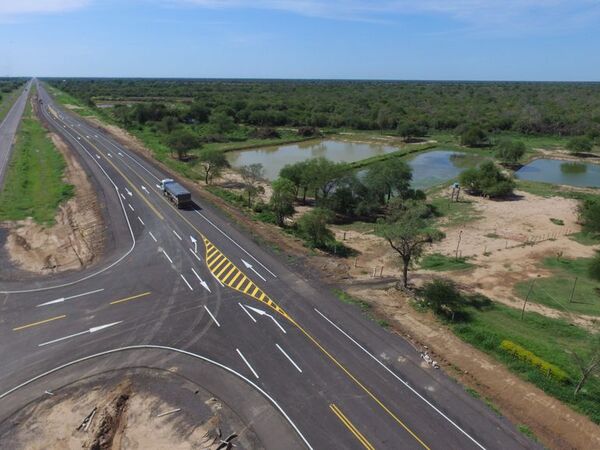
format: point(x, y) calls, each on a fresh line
point(8, 129)
point(186, 288)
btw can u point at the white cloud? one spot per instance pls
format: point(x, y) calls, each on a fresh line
point(23, 7)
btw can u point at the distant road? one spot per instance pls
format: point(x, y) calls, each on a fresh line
point(8, 129)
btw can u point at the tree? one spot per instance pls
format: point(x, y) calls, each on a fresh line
point(487, 180)
point(282, 199)
point(212, 161)
point(473, 136)
point(594, 268)
point(168, 124)
point(589, 214)
point(580, 144)
point(510, 152)
point(252, 175)
point(407, 230)
point(221, 122)
point(324, 174)
point(384, 118)
point(588, 361)
point(182, 141)
point(443, 296)
point(410, 130)
point(313, 225)
point(386, 178)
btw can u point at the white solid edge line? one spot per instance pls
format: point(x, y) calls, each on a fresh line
point(211, 316)
point(176, 350)
point(152, 236)
point(231, 239)
point(168, 257)
point(175, 233)
point(246, 311)
point(289, 358)
point(247, 363)
point(186, 282)
point(401, 380)
point(110, 266)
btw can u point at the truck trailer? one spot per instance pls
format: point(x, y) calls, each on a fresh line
point(176, 193)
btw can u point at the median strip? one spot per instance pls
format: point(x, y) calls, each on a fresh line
point(41, 322)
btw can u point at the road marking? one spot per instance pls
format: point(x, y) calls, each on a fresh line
point(130, 298)
point(141, 221)
point(23, 327)
point(170, 260)
point(202, 282)
point(400, 379)
point(195, 255)
point(90, 331)
point(145, 190)
point(247, 363)
point(260, 312)
point(108, 154)
point(62, 299)
point(186, 282)
point(175, 233)
point(130, 207)
point(97, 156)
point(195, 242)
point(249, 266)
point(211, 316)
point(123, 196)
point(361, 438)
point(129, 192)
point(246, 311)
point(152, 236)
point(289, 358)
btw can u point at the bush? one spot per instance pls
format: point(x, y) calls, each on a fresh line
point(594, 268)
point(473, 136)
point(525, 355)
point(308, 131)
point(313, 226)
point(510, 152)
point(487, 180)
point(589, 214)
point(443, 297)
point(264, 133)
point(580, 144)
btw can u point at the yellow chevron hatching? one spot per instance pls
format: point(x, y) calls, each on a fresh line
point(228, 274)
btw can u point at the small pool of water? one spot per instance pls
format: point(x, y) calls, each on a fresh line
point(561, 172)
point(439, 166)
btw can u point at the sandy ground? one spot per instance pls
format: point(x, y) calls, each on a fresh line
point(76, 239)
point(125, 416)
point(506, 244)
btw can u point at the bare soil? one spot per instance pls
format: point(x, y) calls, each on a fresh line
point(75, 240)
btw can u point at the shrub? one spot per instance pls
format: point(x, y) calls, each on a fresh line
point(313, 226)
point(308, 131)
point(594, 268)
point(589, 214)
point(525, 355)
point(264, 133)
point(487, 180)
point(473, 136)
point(580, 144)
point(443, 296)
point(510, 152)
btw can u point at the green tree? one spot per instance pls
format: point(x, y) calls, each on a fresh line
point(212, 162)
point(386, 178)
point(282, 199)
point(594, 268)
point(580, 144)
point(252, 175)
point(443, 297)
point(589, 214)
point(487, 180)
point(221, 122)
point(168, 124)
point(313, 226)
point(407, 229)
point(325, 174)
point(411, 130)
point(473, 136)
point(182, 141)
point(510, 152)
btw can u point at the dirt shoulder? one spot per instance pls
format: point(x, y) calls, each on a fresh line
point(557, 425)
point(75, 241)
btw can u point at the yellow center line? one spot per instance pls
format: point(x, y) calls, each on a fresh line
point(131, 298)
point(363, 440)
point(22, 327)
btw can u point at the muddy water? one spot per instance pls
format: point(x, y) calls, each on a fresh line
point(561, 172)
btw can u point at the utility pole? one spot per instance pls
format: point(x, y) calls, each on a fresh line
point(458, 244)
point(527, 298)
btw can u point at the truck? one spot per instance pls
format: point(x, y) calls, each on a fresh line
point(176, 193)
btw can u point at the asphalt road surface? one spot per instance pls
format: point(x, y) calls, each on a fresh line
point(204, 296)
point(8, 129)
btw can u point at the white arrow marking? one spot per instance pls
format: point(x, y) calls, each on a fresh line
point(128, 192)
point(91, 330)
point(120, 154)
point(249, 266)
point(211, 316)
point(145, 190)
point(97, 156)
point(95, 135)
point(202, 282)
point(158, 186)
point(193, 239)
point(87, 137)
point(62, 299)
point(109, 155)
point(264, 313)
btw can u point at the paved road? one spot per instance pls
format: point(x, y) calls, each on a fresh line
point(8, 129)
point(210, 299)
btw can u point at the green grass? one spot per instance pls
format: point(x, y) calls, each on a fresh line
point(34, 184)
point(441, 263)
point(555, 291)
point(550, 339)
point(364, 307)
point(75, 104)
point(454, 213)
point(7, 101)
point(527, 432)
point(585, 238)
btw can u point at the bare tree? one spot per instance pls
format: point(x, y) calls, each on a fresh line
point(587, 362)
point(252, 175)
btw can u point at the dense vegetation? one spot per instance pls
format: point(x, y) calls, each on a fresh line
point(411, 107)
point(7, 85)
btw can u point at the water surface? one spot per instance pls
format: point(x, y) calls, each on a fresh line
point(561, 172)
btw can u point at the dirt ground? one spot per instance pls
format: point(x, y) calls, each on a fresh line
point(74, 241)
point(130, 414)
point(554, 423)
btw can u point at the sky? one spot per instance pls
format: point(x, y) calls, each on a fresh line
point(545, 40)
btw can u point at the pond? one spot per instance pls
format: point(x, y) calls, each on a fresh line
point(561, 172)
point(429, 168)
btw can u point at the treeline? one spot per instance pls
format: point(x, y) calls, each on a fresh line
point(8, 85)
point(411, 108)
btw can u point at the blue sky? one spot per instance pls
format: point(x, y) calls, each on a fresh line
point(384, 39)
